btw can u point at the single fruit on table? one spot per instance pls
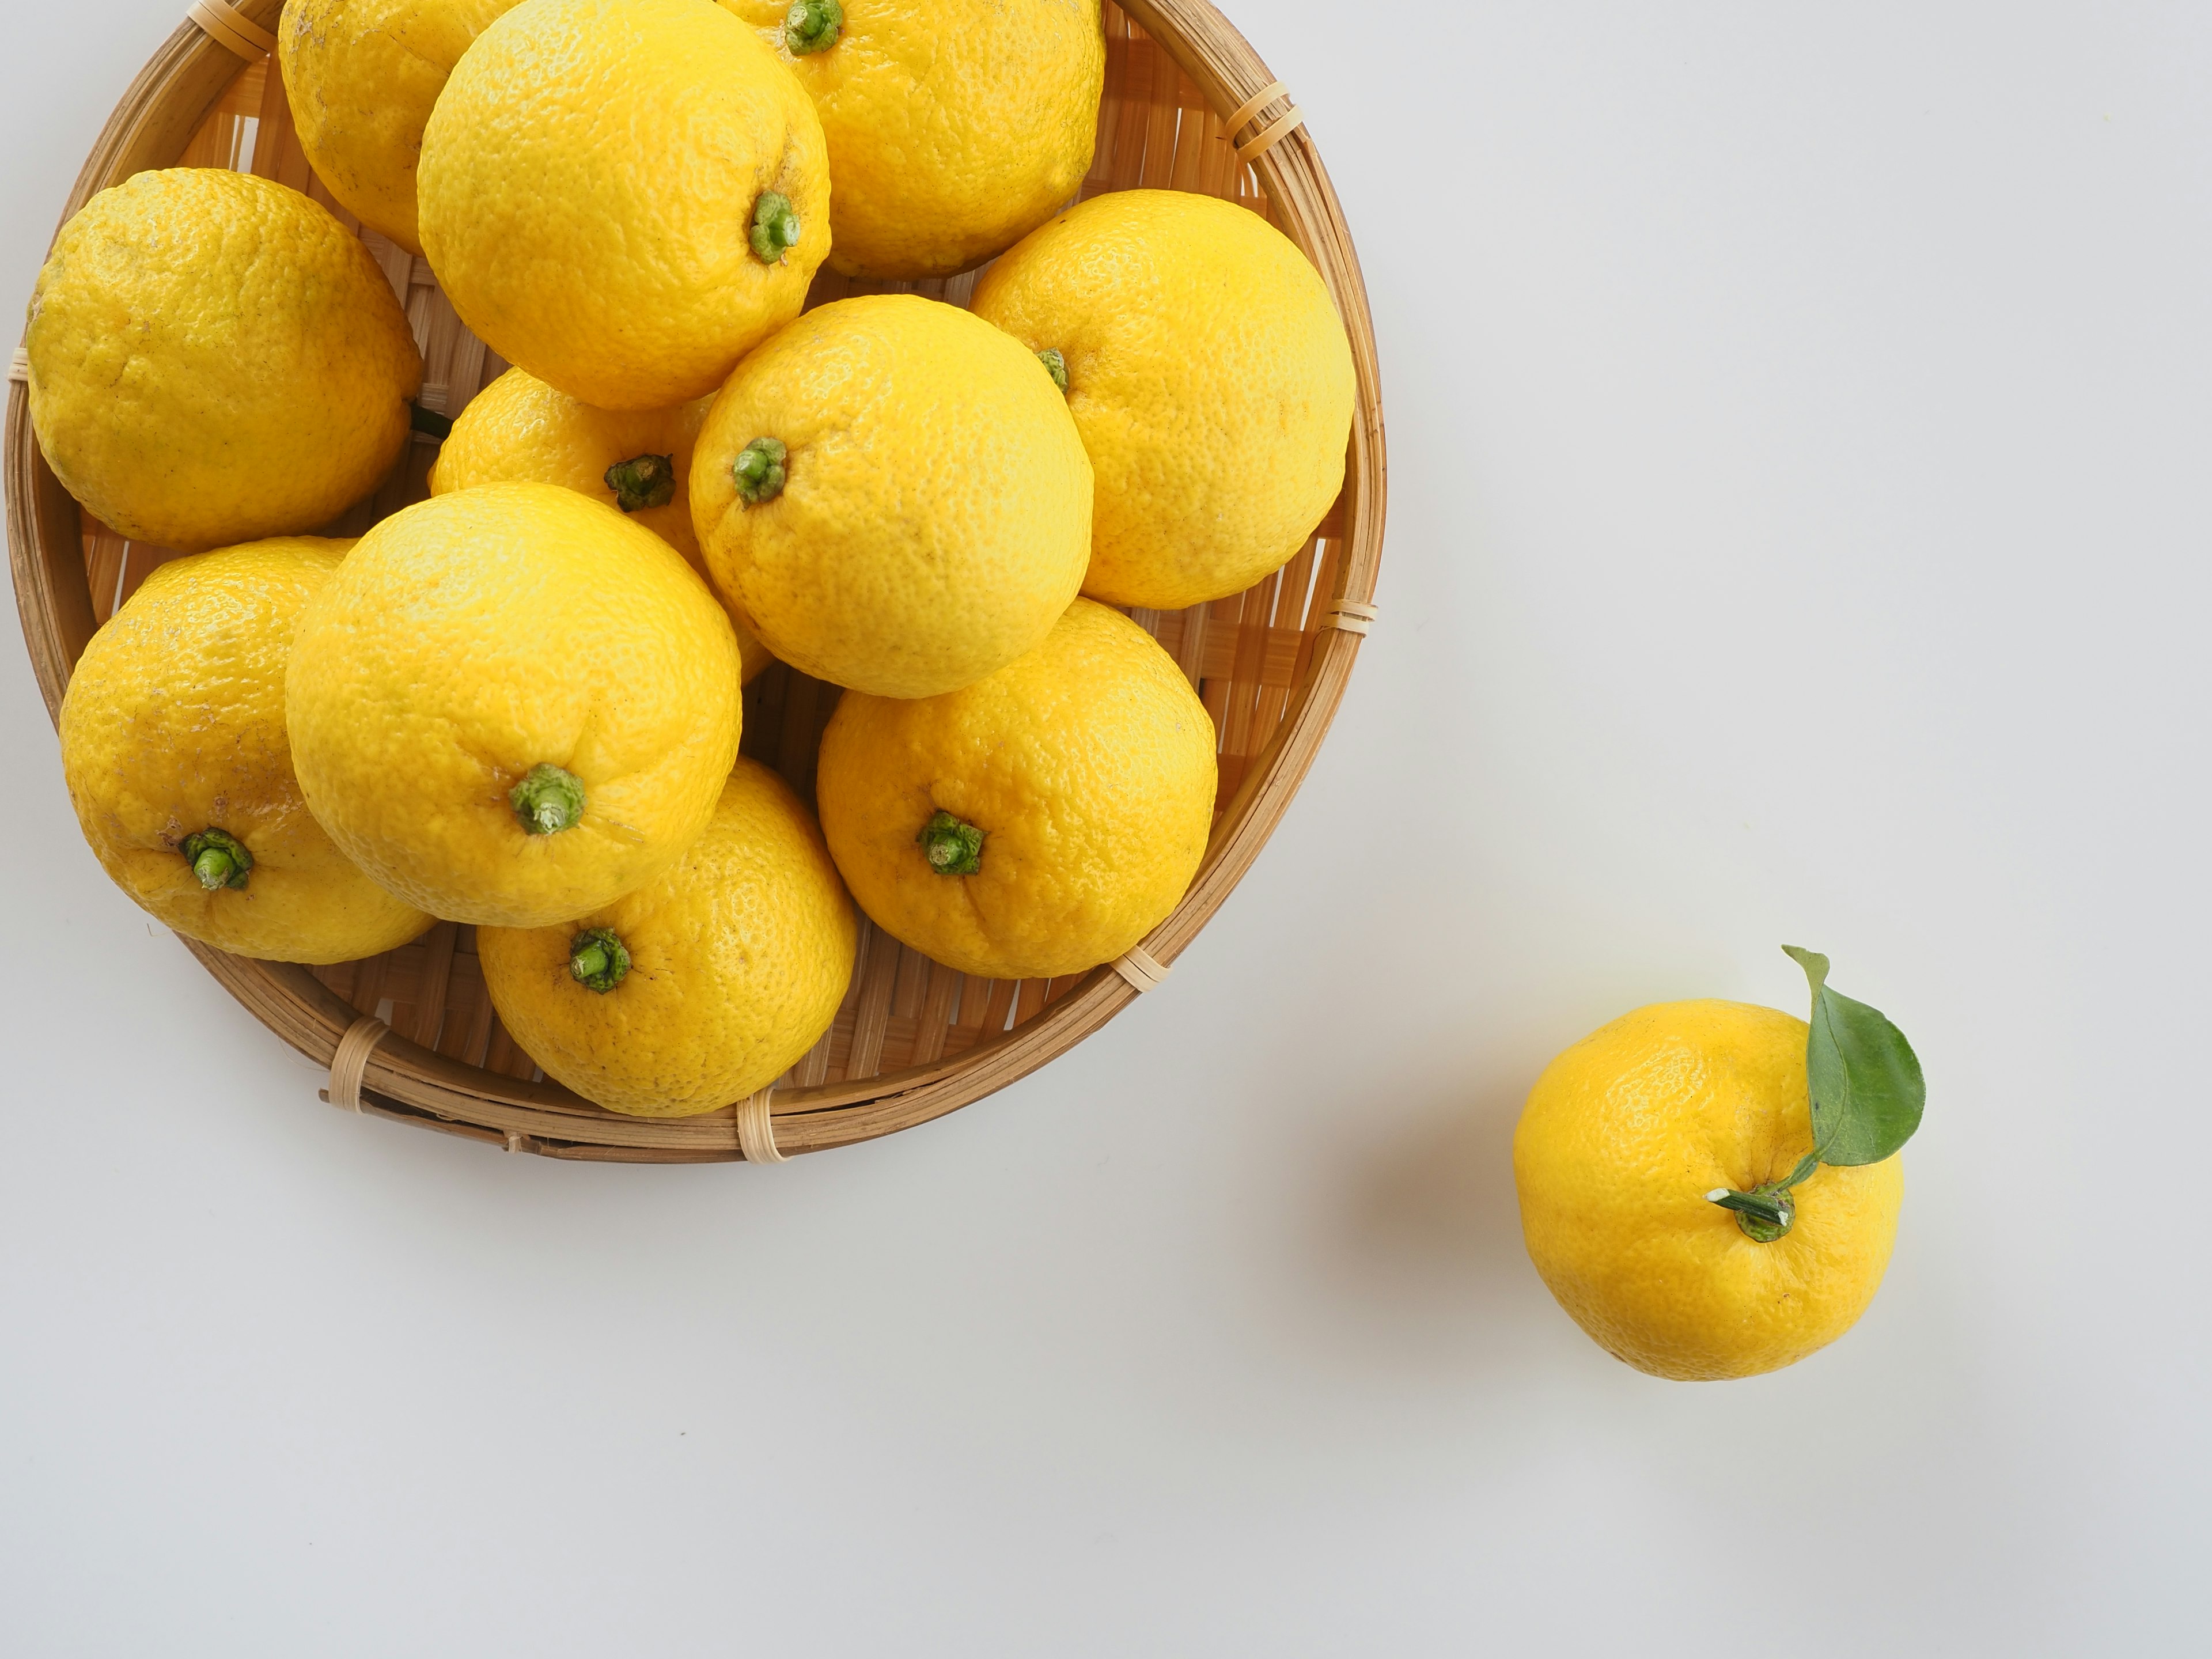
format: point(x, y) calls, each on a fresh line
point(174, 747)
point(360, 77)
point(622, 196)
point(1038, 822)
point(955, 127)
point(1699, 1206)
point(1209, 374)
point(893, 492)
point(706, 984)
point(638, 461)
point(512, 704)
point(215, 359)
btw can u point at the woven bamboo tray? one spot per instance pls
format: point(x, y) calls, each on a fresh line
point(1187, 106)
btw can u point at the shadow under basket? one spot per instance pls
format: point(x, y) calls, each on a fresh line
point(1187, 106)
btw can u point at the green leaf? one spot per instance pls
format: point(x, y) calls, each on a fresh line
point(1867, 1091)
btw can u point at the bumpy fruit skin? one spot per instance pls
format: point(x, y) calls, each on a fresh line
point(1209, 374)
point(955, 127)
point(362, 76)
point(174, 724)
point(739, 957)
point(588, 190)
point(935, 521)
point(215, 359)
point(473, 636)
point(1088, 765)
point(1622, 1138)
point(519, 429)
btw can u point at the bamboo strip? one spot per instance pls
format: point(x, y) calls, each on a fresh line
point(1268, 136)
point(756, 1130)
point(350, 1061)
point(247, 39)
point(1141, 968)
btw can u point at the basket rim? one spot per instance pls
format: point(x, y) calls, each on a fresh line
point(164, 104)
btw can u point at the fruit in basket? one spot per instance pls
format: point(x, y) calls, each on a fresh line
point(895, 494)
point(639, 461)
point(1209, 374)
point(360, 77)
point(215, 359)
point(1710, 1189)
point(512, 704)
point(700, 988)
point(623, 196)
point(1037, 822)
point(955, 127)
point(173, 747)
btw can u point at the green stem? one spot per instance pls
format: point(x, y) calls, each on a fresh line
point(1767, 1210)
point(642, 481)
point(775, 229)
point(758, 471)
point(953, 848)
point(548, 799)
point(812, 26)
point(1056, 366)
point(597, 959)
point(218, 859)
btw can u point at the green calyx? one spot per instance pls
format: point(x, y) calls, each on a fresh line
point(953, 848)
point(548, 799)
point(1864, 1091)
point(218, 859)
point(1766, 1211)
point(811, 25)
point(758, 471)
point(1056, 366)
point(642, 481)
point(775, 228)
point(597, 959)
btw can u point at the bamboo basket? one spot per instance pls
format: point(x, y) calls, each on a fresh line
point(1187, 106)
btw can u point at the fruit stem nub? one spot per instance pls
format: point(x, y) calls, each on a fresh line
point(1056, 366)
point(642, 481)
point(811, 25)
point(953, 848)
point(775, 228)
point(218, 859)
point(597, 959)
point(548, 799)
point(758, 471)
point(1767, 1210)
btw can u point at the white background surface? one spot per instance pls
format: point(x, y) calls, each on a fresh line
point(1799, 422)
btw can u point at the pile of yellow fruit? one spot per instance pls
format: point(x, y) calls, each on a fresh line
point(516, 704)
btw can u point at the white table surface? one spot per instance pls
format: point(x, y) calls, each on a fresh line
point(1800, 425)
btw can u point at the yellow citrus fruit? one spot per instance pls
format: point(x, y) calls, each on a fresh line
point(214, 359)
point(1622, 1139)
point(520, 430)
point(512, 704)
point(893, 493)
point(361, 77)
point(700, 988)
point(1037, 822)
point(623, 196)
point(1209, 374)
point(954, 126)
point(174, 746)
